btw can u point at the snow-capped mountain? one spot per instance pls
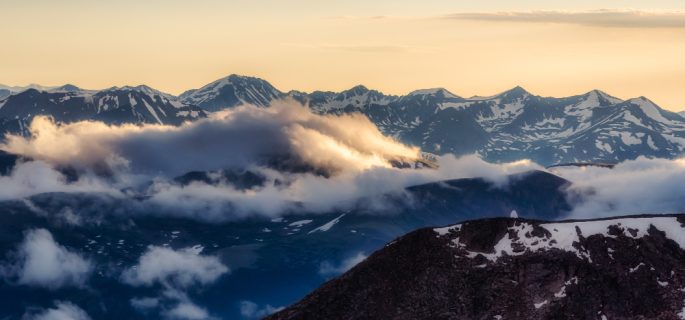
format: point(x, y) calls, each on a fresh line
point(617, 268)
point(115, 105)
point(339, 102)
point(144, 105)
point(516, 125)
point(513, 125)
point(232, 91)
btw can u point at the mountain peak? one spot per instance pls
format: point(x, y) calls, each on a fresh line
point(240, 79)
point(141, 87)
point(433, 92)
point(235, 79)
point(356, 91)
point(596, 92)
point(232, 91)
point(641, 101)
point(601, 97)
point(516, 91)
point(67, 88)
point(144, 89)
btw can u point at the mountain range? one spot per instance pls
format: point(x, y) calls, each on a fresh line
point(513, 125)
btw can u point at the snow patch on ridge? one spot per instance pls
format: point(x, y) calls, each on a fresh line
point(566, 235)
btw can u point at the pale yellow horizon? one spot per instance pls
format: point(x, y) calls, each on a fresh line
point(548, 48)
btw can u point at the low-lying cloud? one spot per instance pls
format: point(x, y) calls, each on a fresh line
point(178, 268)
point(329, 269)
point(285, 135)
point(63, 310)
point(314, 193)
point(251, 310)
point(34, 177)
point(42, 262)
point(175, 271)
point(186, 310)
point(309, 163)
point(145, 304)
point(641, 186)
point(598, 18)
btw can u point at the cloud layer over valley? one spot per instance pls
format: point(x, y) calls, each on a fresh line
point(301, 161)
point(287, 136)
point(251, 161)
point(641, 186)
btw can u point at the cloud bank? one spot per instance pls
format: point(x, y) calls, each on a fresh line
point(641, 186)
point(285, 135)
point(34, 177)
point(309, 163)
point(307, 192)
point(306, 163)
point(598, 18)
point(42, 262)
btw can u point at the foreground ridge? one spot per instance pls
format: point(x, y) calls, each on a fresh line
point(510, 268)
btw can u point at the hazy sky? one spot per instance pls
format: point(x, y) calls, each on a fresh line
point(627, 48)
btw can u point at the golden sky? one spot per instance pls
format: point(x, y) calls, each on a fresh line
point(627, 48)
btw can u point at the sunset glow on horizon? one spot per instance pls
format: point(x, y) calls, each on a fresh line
point(548, 47)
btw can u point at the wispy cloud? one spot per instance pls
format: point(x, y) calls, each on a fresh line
point(363, 48)
point(327, 269)
point(367, 48)
point(360, 18)
point(606, 18)
point(250, 310)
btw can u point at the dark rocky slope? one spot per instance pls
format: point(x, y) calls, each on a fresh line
point(622, 268)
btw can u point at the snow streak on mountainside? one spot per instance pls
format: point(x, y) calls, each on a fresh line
point(513, 125)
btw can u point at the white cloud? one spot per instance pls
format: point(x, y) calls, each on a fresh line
point(34, 177)
point(640, 186)
point(251, 310)
point(144, 304)
point(44, 263)
point(186, 310)
point(311, 163)
point(175, 271)
point(174, 268)
point(327, 268)
point(315, 193)
point(62, 311)
point(286, 133)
